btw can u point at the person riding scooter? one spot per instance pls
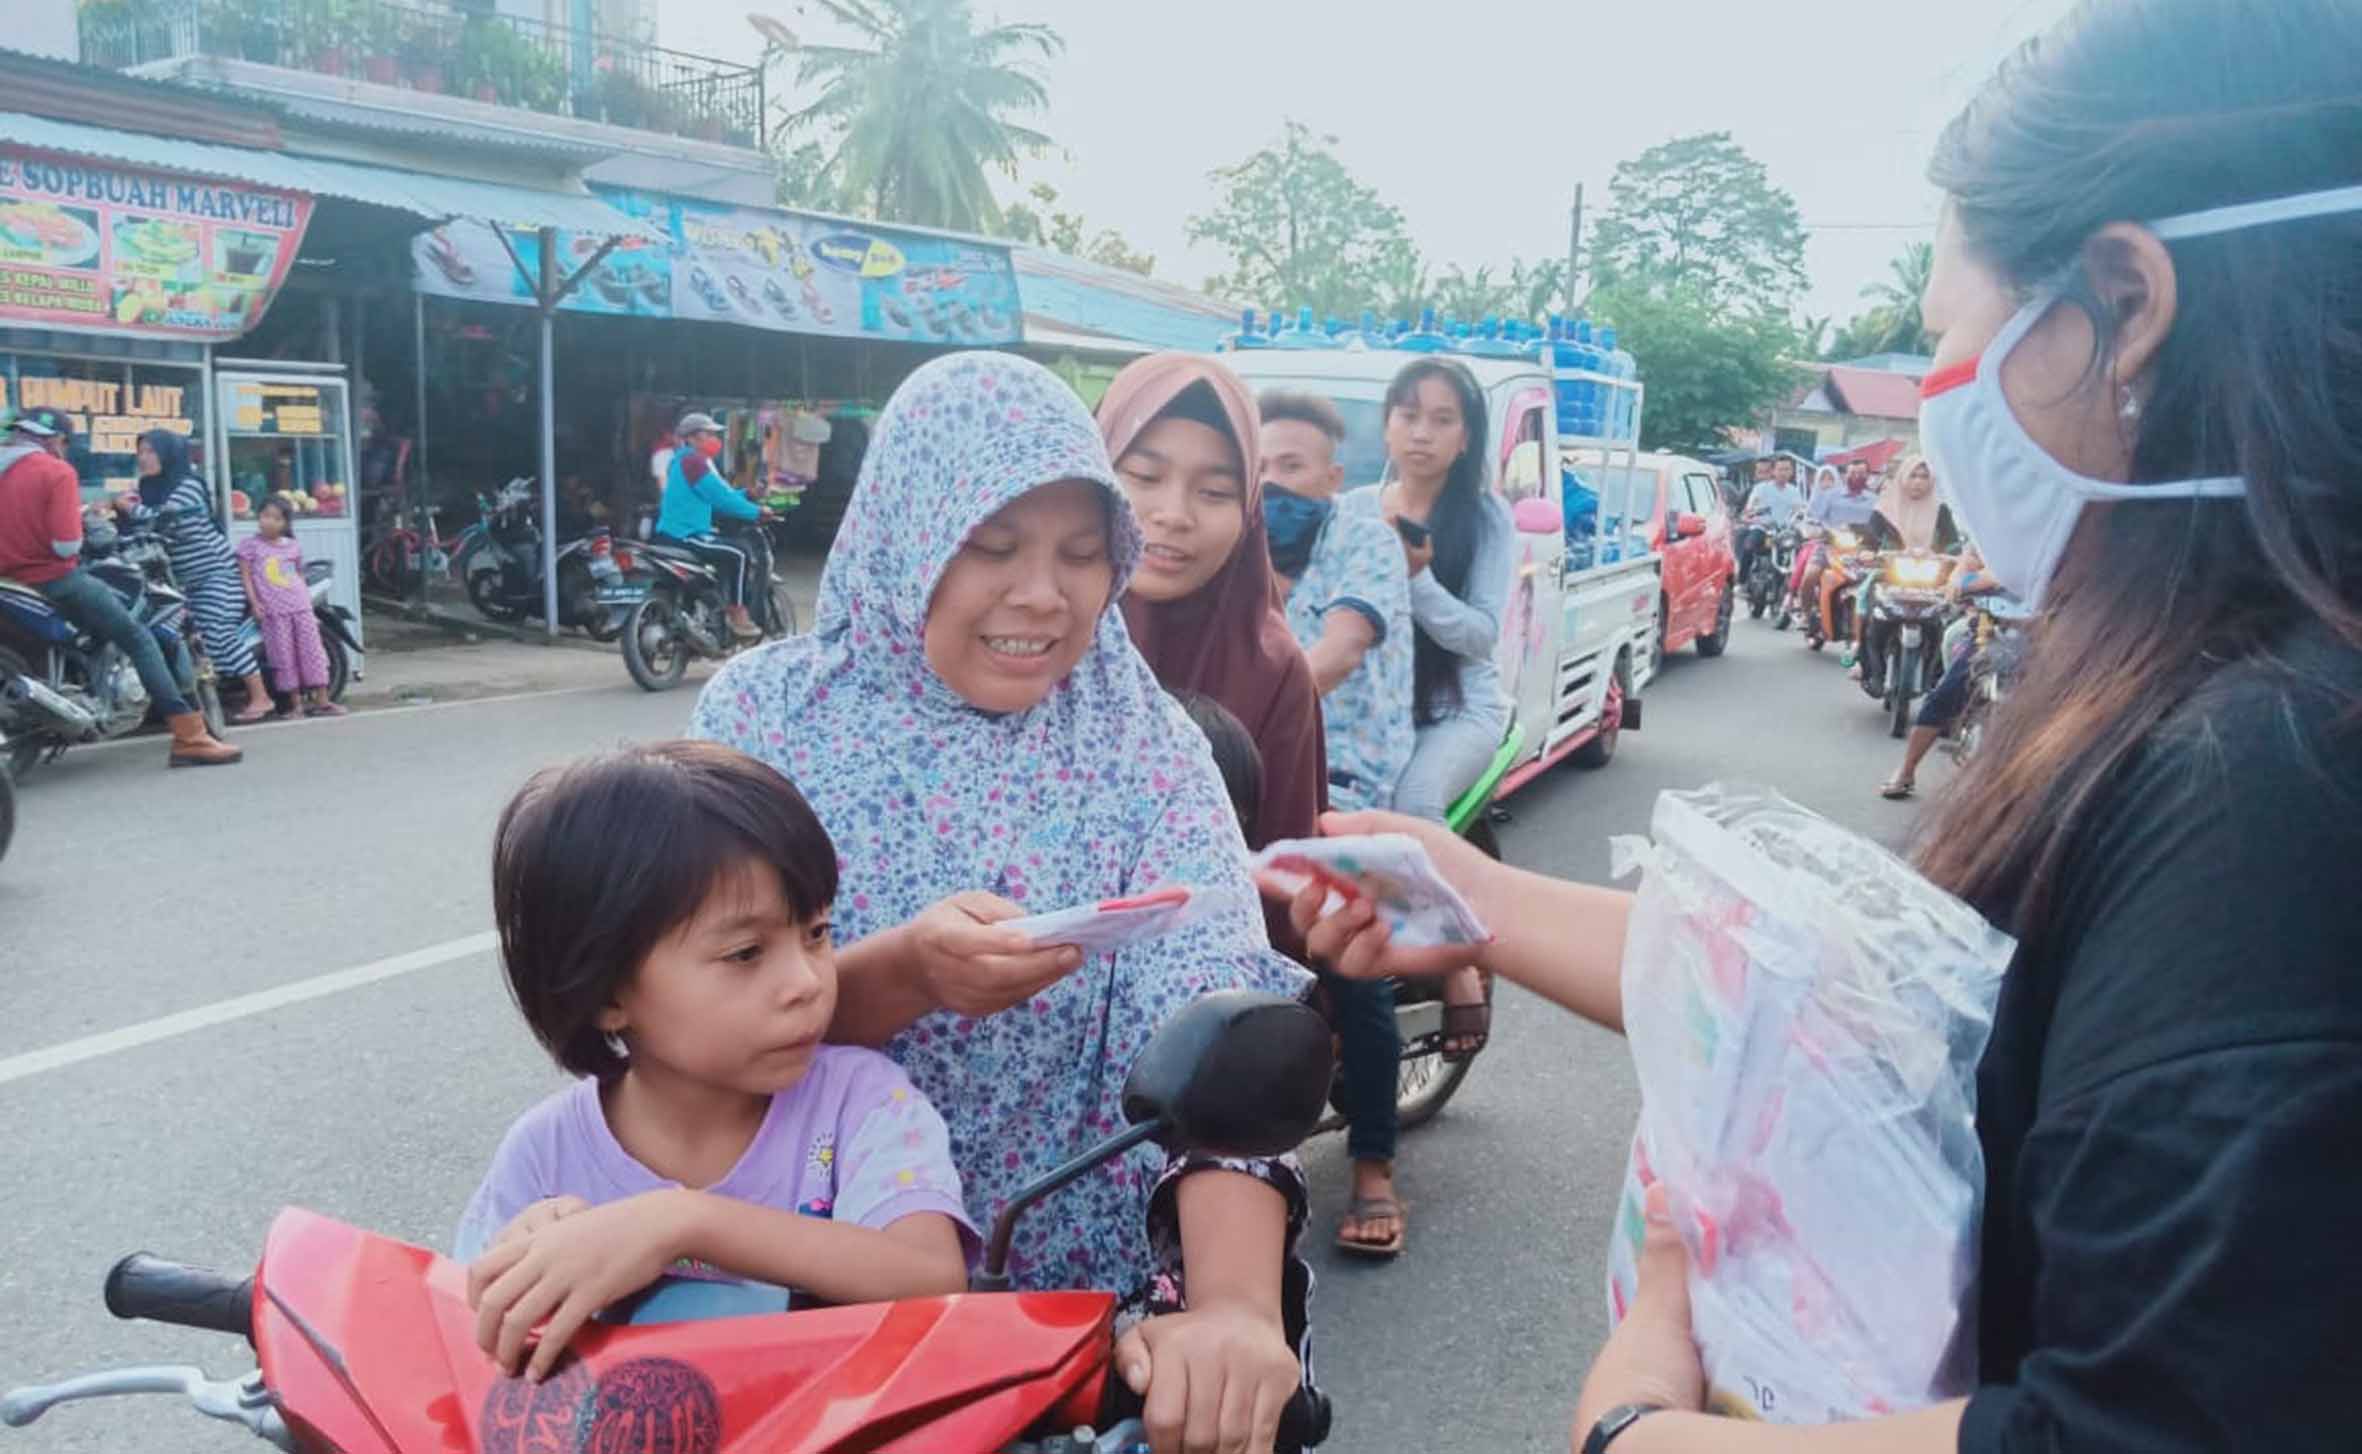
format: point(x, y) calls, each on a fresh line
point(694, 493)
point(1770, 506)
point(1834, 507)
point(41, 547)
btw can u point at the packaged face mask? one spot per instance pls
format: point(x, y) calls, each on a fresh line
point(1109, 925)
point(1393, 871)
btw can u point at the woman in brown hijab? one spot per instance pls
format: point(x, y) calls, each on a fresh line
point(1203, 607)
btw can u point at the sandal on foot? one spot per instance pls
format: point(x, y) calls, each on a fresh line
point(1895, 790)
point(1365, 1210)
point(325, 709)
point(253, 713)
point(1471, 1025)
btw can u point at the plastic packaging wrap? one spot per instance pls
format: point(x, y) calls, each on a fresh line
point(1421, 908)
point(1806, 1014)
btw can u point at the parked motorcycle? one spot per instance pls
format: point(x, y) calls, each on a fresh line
point(1903, 635)
point(60, 685)
point(365, 1343)
point(500, 564)
point(1767, 576)
point(683, 613)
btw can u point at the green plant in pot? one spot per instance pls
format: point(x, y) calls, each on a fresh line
point(426, 55)
point(382, 33)
point(622, 99)
point(325, 33)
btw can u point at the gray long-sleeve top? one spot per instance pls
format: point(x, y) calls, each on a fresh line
point(1469, 625)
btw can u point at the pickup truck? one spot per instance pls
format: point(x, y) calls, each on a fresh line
point(1579, 637)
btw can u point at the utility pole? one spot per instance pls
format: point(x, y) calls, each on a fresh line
point(1574, 251)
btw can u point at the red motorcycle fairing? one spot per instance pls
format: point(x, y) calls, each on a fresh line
point(370, 1347)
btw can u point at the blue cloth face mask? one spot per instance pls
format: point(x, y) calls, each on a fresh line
point(1292, 523)
point(2013, 499)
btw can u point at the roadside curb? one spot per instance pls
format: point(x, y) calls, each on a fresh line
point(470, 628)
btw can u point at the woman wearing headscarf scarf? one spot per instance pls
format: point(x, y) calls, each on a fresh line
point(1204, 608)
point(971, 722)
point(176, 499)
point(1909, 517)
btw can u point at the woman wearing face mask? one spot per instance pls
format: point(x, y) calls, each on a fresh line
point(1909, 517)
point(2144, 410)
point(970, 722)
point(1457, 537)
point(1203, 608)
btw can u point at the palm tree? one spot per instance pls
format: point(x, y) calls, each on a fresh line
point(1895, 299)
point(920, 112)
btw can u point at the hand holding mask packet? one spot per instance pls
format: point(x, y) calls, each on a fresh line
point(1805, 1014)
point(1109, 925)
point(1421, 908)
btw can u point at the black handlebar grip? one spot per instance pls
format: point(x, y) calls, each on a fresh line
point(141, 1286)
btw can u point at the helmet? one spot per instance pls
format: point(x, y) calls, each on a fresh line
point(697, 424)
point(45, 423)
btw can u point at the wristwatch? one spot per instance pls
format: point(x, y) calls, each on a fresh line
point(1615, 1421)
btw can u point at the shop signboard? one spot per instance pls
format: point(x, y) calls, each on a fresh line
point(750, 266)
point(91, 245)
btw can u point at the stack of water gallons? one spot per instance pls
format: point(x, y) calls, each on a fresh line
point(1587, 407)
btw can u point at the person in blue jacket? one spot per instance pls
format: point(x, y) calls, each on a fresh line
point(694, 493)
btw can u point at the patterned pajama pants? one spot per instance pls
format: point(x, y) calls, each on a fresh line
point(292, 642)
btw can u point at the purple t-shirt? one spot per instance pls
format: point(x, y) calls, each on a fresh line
point(852, 1141)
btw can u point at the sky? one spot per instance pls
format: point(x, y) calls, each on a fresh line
point(1477, 118)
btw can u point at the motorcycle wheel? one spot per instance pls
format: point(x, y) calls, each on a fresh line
point(25, 752)
point(340, 667)
point(1898, 693)
point(7, 810)
point(653, 651)
point(1423, 1083)
point(483, 593)
point(783, 612)
point(217, 721)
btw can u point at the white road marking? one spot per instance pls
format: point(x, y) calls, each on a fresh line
point(261, 1002)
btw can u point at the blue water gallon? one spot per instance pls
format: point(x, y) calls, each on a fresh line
point(1427, 337)
point(1247, 337)
point(1620, 419)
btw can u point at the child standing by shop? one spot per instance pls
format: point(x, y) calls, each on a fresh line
point(270, 563)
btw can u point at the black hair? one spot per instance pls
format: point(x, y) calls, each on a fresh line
point(2138, 110)
point(1235, 754)
point(1302, 408)
point(1435, 668)
point(282, 502)
point(596, 862)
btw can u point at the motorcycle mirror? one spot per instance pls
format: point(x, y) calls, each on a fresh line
point(1235, 1073)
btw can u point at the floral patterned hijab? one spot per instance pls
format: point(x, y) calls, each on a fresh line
point(1102, 790)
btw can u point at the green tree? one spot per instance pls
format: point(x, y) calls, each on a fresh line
point(1470, 296)
point(1302, 231)
point(804, 179)
point(917, 113)
point(1698, 213)
point(1045, 223)
point(1707, 370)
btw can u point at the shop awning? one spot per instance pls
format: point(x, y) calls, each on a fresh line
point(1091, 299)
point(430, 198)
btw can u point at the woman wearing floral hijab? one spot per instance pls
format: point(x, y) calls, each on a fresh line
point(971, 722)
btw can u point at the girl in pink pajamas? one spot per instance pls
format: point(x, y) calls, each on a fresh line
point(270, 562)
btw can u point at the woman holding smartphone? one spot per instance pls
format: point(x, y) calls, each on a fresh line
point(1457, 538)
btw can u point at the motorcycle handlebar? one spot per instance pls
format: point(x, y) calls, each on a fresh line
point(143, 1286)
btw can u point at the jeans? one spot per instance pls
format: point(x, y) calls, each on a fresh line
point(85, 600)
point(1450, 756)
point(1362, 1010)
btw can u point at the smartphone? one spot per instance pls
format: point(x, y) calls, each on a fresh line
point(1411, 530)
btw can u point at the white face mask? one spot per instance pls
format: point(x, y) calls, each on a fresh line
point(2013, 499)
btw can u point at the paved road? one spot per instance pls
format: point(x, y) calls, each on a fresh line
point(361, 845)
